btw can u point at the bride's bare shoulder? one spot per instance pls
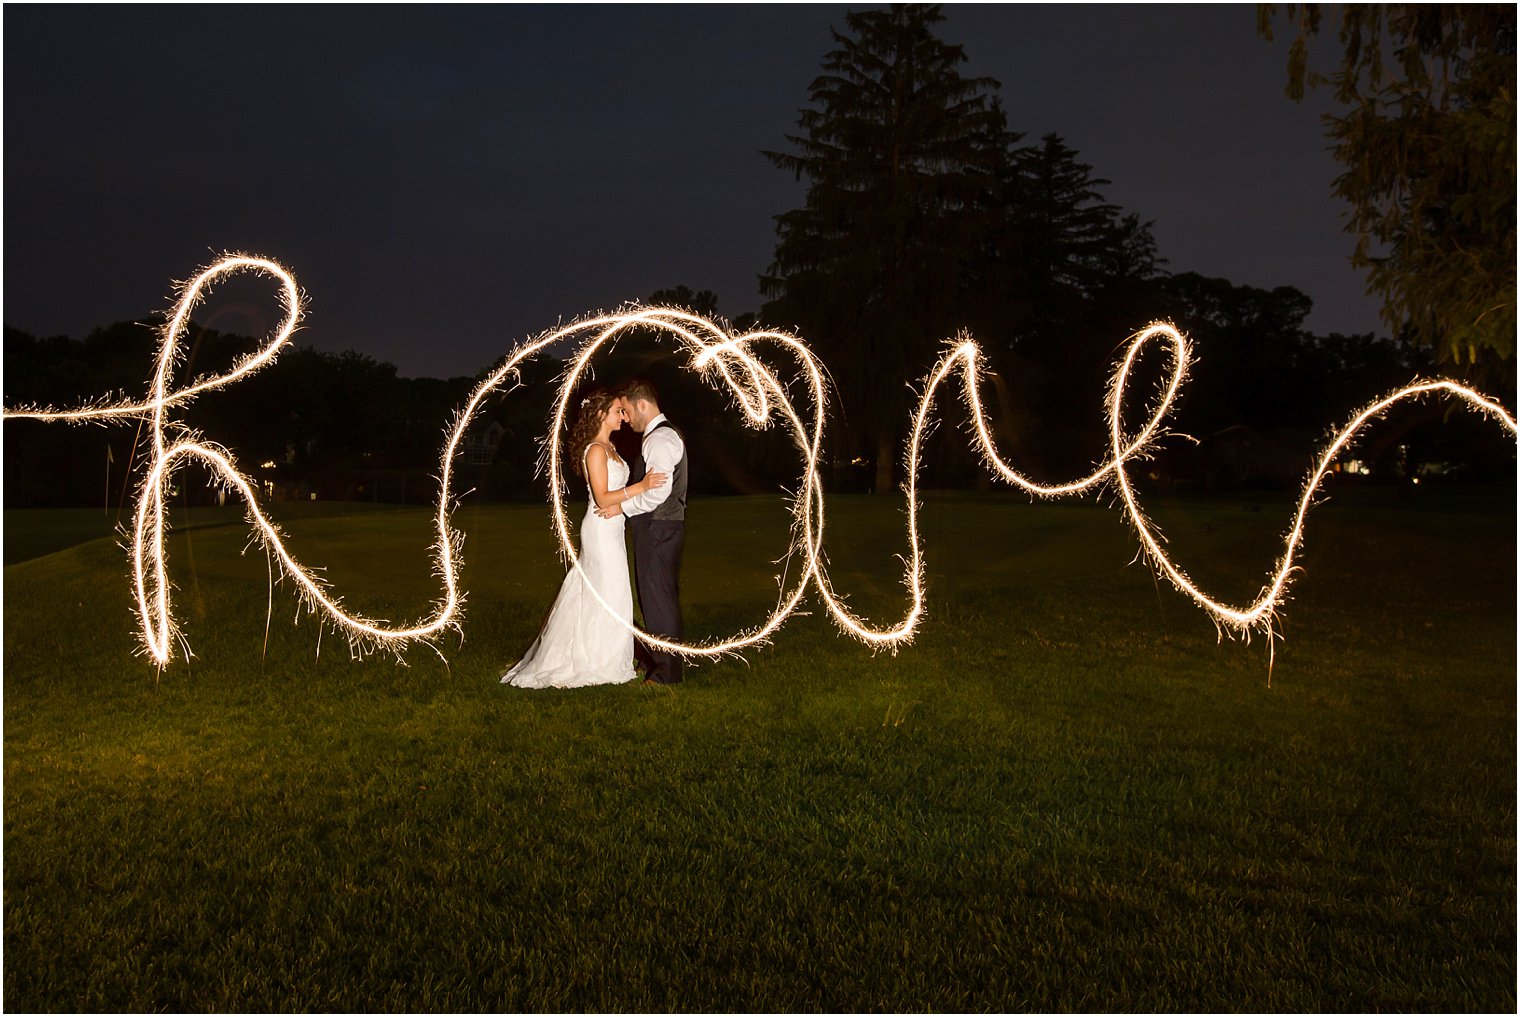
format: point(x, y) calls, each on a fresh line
point(603, 451)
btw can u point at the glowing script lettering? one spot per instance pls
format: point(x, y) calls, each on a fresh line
point(727, 360)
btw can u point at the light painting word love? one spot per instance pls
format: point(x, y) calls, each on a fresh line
point(727, 360)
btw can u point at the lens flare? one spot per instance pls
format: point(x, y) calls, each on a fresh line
point(727, 361)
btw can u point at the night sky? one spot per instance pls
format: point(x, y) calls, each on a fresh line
point(445, 182)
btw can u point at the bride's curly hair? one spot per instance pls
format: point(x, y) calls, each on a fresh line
point(595, 402)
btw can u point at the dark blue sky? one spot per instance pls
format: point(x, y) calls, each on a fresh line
point(445, 181)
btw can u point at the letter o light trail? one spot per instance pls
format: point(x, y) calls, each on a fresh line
point(726, 360)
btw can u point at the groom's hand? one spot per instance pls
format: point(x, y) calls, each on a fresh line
point(609, 511)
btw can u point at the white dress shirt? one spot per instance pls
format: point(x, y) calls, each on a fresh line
point(662, 450)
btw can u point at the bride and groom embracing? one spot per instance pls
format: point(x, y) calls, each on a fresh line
point(581, 643)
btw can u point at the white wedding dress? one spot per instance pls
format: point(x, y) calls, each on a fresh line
point(581, 643)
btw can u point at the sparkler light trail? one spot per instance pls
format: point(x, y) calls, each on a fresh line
point(726, 360)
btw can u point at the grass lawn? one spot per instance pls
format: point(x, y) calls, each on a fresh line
point(1066, 794)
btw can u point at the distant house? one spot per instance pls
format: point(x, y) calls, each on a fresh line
point(481, 443)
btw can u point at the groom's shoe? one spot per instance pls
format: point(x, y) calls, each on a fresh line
point(652, 680)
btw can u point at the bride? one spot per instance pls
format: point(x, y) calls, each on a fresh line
point(581, 643)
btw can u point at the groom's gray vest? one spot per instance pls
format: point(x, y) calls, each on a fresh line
point(673, 507)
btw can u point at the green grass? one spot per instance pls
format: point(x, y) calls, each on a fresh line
point(32, 533)
point(1066, 794)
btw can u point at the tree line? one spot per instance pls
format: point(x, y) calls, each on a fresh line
point(926, 213)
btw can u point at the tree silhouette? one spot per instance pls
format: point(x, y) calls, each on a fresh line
point(1060, 275)
point(1076, 246)
point(703, 302)
point(896, 153)
point(1428, 145)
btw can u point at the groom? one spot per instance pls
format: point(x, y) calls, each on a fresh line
point(658, 521)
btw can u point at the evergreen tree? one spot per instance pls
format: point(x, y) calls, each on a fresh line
point(896, 153)
point(1076, 246)
point(1073, 275)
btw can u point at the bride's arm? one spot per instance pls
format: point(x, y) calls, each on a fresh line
point(596, 475)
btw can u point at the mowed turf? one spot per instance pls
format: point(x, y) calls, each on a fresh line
point(1066, 793)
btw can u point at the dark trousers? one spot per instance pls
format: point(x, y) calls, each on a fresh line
point(657, 546)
